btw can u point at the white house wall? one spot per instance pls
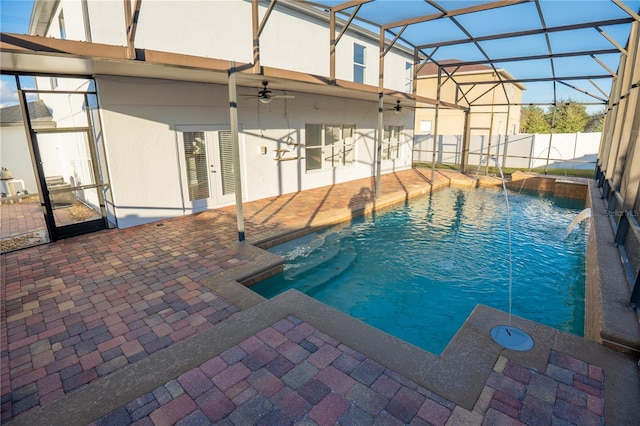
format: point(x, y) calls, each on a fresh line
point(140, 117)
point(107, 22)
point(15, 155)
point(73, 21)
point(214, 29)
point(291, 40)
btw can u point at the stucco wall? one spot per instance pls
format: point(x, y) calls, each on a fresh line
point(140, 117)
point(291, 40)
point(15, 156)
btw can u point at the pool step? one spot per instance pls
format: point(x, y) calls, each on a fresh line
point(319, 278)
point(329, 249)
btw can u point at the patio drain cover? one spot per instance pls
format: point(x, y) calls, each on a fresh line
point(512, 338)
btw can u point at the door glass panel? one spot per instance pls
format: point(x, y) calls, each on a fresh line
point(69, 207)
point(68, 110)
point(69, 176)
point(226, 162)
point(195, 152)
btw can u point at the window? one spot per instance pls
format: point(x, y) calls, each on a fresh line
point(329, 146)
point(358, 63)
point(63, 30)
point(195, 153)
point(510, 92)
point(408, 77)
point(226, 162)
point(425, 126)
point(391, 142)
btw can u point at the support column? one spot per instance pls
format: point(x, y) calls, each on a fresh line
point(332, 47)
point(255, 30)
point(506, 137)
point(435, 128)
point(379, 143)
point(131, 20)
point(493, 101)
point(379, 132)
point(466, 140)
point(553, 129)
point(233, 120)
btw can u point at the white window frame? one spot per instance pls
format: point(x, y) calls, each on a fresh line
point(339, 154)
point(425, 126)
point(408, 77)
point(392, 142)
point(359, 67)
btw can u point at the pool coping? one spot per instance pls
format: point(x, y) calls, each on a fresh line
point(607, 290)
point(459, 374)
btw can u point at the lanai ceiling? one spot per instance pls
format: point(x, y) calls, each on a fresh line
point(558, 49)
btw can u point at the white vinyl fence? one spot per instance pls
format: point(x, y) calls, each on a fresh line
point(525, 151)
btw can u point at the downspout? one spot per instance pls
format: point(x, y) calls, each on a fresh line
point(233, 120)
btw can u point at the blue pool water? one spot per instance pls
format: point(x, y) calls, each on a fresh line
point(418, 271)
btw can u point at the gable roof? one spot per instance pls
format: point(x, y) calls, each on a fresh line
point(456, 67)
point(38, 111)
point(431, 68)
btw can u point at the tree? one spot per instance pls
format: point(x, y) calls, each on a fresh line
point(596, 122)
point(569, 117)
point(532, 120)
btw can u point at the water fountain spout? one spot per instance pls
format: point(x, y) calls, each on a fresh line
point(545, 170)
point(506, 335)
point(583, 215)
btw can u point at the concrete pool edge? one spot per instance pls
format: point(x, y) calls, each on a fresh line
point(459, 374)
point(609, 320)
point(468, 349)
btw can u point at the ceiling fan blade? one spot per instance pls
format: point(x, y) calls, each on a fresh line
point(284, 96)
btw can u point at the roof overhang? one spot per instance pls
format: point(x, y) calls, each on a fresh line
point(25, 54)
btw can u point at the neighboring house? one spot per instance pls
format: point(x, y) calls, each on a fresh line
point(464, 85)
point(165, 132)
point(14, 151)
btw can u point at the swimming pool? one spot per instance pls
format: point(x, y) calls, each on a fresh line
point(418, 271)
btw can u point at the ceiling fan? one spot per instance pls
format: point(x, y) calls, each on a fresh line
point(397, 108)
point(265, 95)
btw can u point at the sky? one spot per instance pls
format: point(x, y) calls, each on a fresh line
point(15, 15)
point(14, 18)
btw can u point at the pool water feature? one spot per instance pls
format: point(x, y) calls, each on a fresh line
point(395, 271)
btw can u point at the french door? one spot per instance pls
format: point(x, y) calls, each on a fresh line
point(206, 167)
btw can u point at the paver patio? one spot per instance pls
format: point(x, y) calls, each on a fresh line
point(150, 326)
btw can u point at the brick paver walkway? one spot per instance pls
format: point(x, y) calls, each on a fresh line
point(291, 373)
point(79, 309)
point(21, 218)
